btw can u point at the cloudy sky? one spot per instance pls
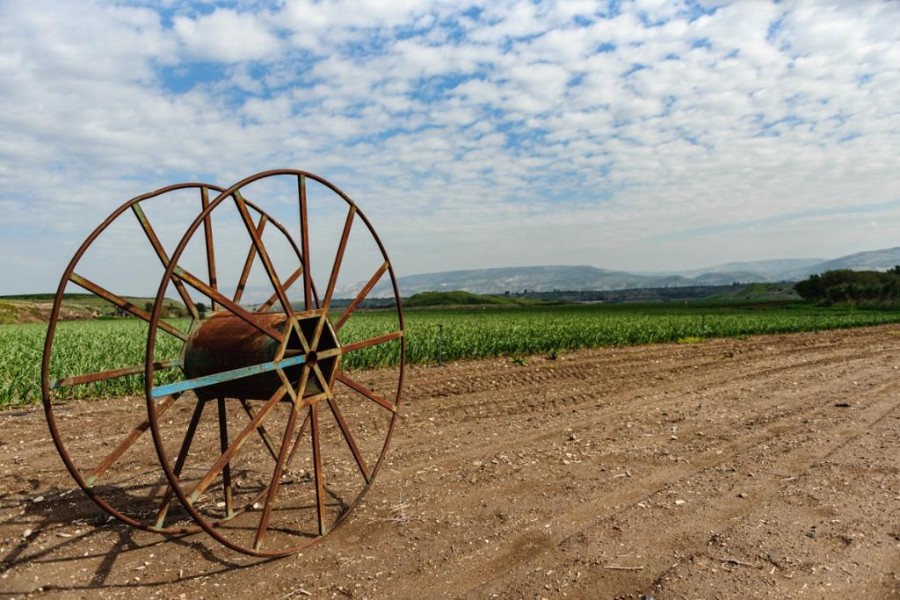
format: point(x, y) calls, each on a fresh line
point(646, 135)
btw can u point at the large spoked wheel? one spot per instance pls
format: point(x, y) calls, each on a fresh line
point(112, 460)
point(279, 437)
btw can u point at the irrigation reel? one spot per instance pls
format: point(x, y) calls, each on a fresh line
point(250, 425)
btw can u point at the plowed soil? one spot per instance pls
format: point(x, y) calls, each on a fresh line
point(761, 467)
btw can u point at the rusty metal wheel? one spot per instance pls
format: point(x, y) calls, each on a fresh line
point(112, 460)
point(293, 439)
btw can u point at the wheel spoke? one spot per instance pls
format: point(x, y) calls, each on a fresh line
point(361, 295)
point(296, 447)
point(317, 466)
point(226, 456)
point(320, 328)
point(351, 442)
point(125, 305)
point(287, 284)
point(210, 247)
point(245, 315)
point(126, 443)
point(371, 341)
point(112, 374)
point(251, 255)
point(223, 376)
point(266, 438)
point(223, 446)
point(179, 461)
point(361, 389)
point(163, 257)
point(339, 256)
point(304, 243)
point(263, 255)
point(323, 382)
point(276, 480)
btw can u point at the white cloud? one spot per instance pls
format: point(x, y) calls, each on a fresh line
point(226, 36)
point(474, 134)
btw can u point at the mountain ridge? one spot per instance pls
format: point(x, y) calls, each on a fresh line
point(546, 278)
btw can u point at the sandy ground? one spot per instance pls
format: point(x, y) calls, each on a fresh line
point(763, 467)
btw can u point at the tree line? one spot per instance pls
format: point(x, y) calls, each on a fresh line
point(845, 286)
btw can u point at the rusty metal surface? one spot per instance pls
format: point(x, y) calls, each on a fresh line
point(232, 358)
point(227, 357)
point(251, 362)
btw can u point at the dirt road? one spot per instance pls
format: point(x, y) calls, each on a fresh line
point(764, 467)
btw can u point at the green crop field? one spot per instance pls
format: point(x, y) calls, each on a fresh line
point(432, 336)
point(476, 333)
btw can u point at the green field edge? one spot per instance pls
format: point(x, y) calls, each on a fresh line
point(436, 336)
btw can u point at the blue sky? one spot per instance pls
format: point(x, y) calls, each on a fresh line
point(647, 135)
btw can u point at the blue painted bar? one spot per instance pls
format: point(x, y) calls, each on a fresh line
point(192, 384)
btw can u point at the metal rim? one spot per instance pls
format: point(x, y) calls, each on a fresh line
point(267, 529)
point(89, 476)
point(94, 477)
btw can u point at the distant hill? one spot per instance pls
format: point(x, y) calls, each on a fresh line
point(36, 308)
point(770, 269)
point(874, 260)
point(583, 277)
point(534, 279)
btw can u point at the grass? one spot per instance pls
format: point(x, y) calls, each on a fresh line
point(433, 336)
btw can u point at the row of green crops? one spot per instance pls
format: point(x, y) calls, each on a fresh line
point(467, 334)
point(80, 347)
point(432, 336)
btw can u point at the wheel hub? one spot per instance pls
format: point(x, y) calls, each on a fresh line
point(225, 343)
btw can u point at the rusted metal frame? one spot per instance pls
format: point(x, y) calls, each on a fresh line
point(317, 466)
point(266, 438)
point(361, 295)
point(163, 257)
point(95, 494)
point(339, 257)
point(310, 400)
point(248, 264)
point(317, 334)
point(263, 255)
point(276, 481)
point(304, 243)
point(227, 303)
point(301, 387)
point(124, 304)
point(287, 284)
point(112, 374)
point(323, 383)
point(295, 325)
point(300, 402)
point(371, 342)
point(288, 385)
point(295, 275)
point(351, 442)
point(223, 446)
point(329, 353)
point(296, 398)
point(179, 462)
point(210, 247)
point(366, 392)
point(233, 448)
point(222, 377)
point(290, 459)
point(126, 443)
